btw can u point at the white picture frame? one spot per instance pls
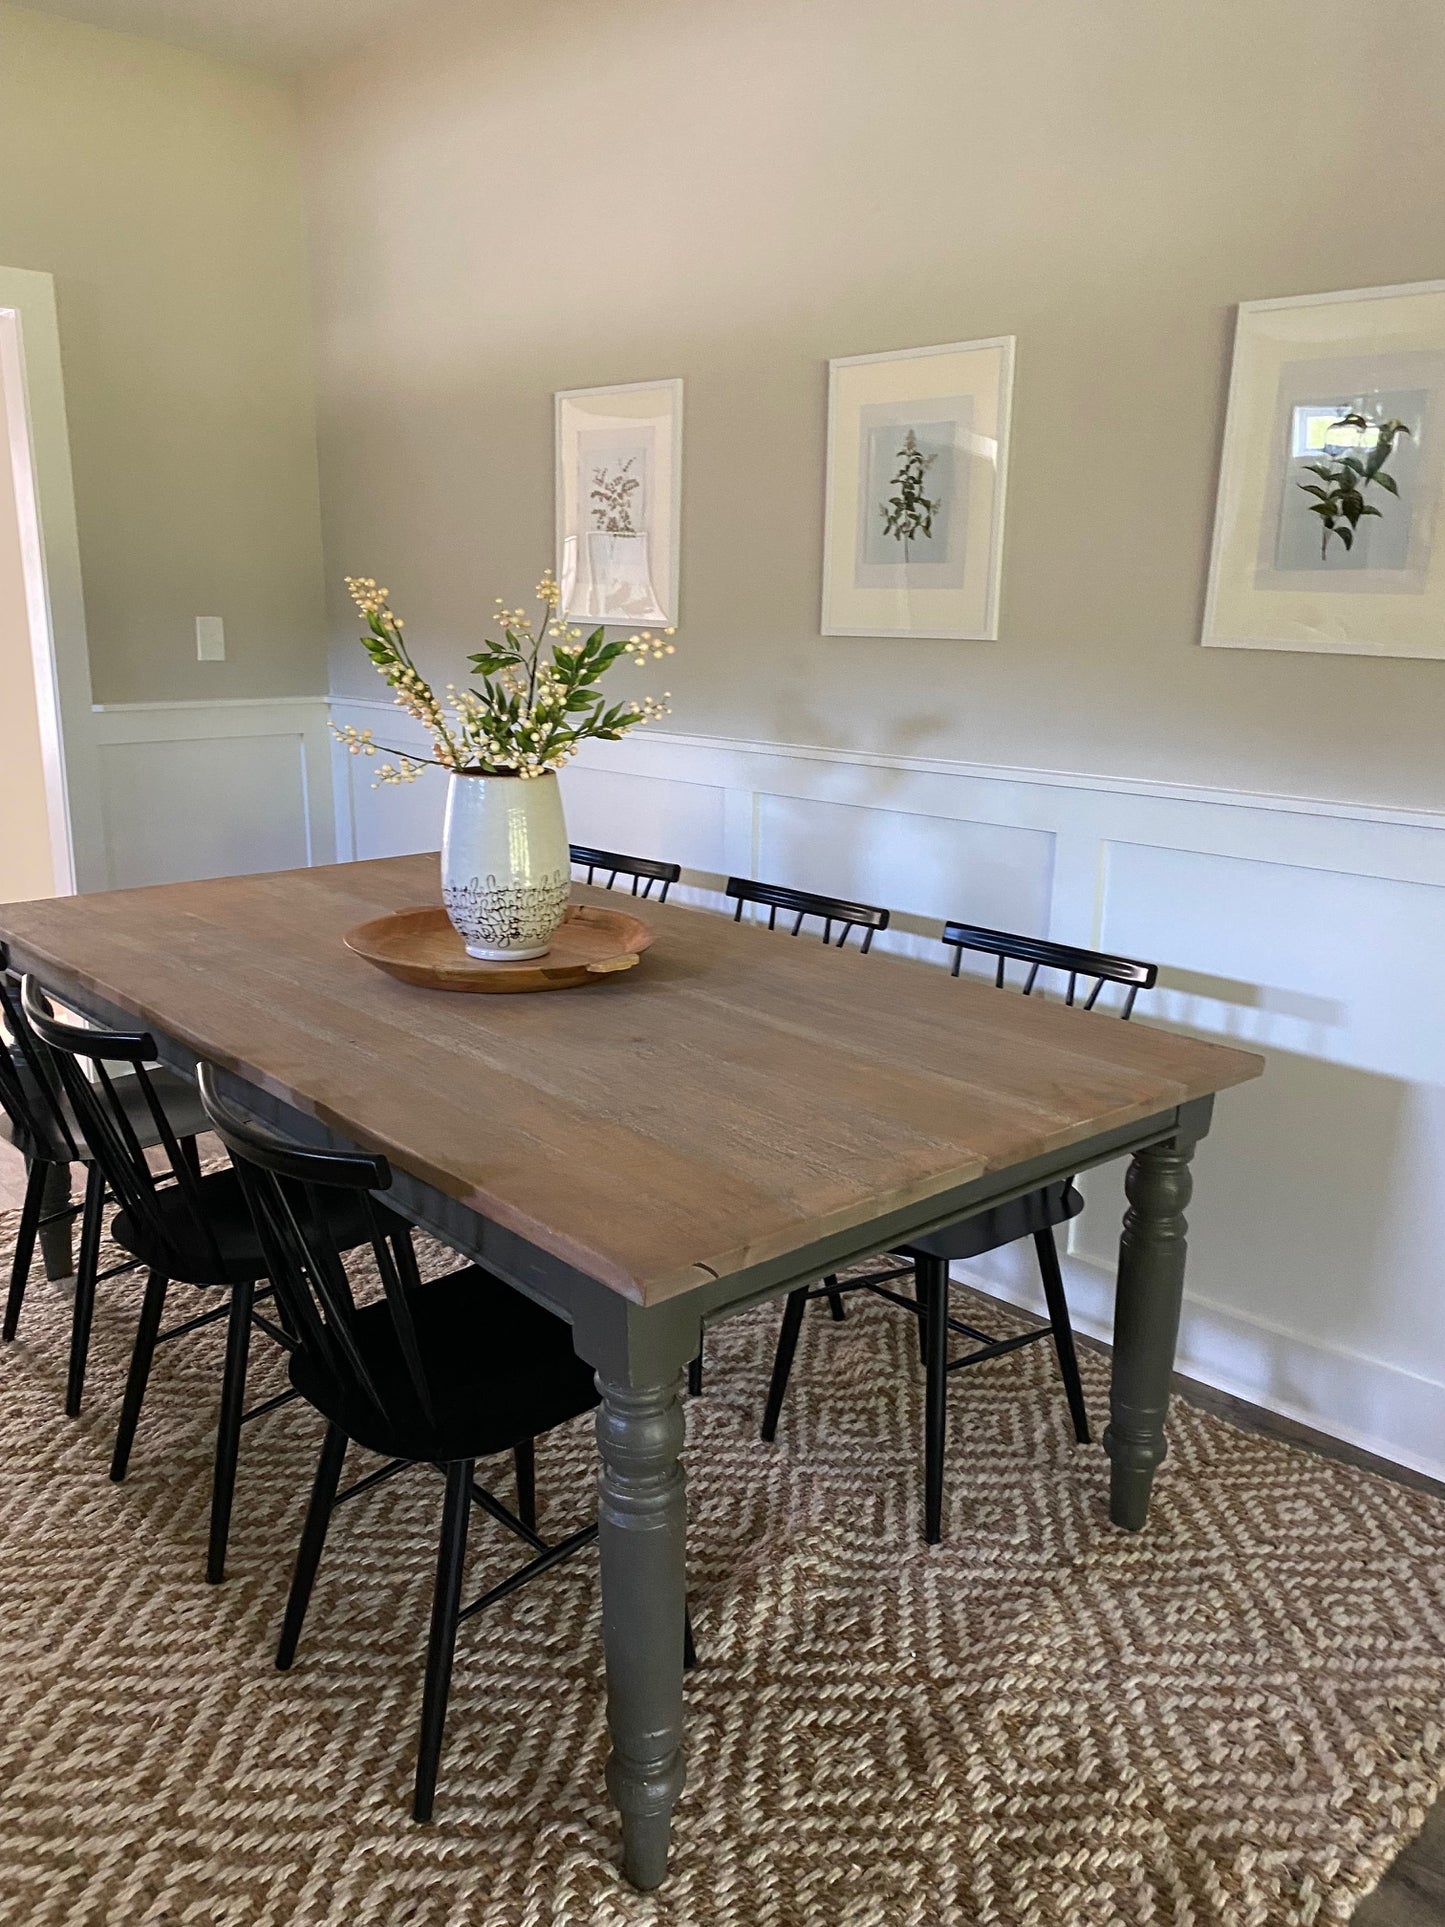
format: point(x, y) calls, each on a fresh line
point(619, 503)
point(1281, 575)
point(920, 558)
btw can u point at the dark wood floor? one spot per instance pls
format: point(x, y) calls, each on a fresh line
point(1413, 1892)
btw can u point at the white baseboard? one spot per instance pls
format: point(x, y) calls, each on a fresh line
point(1366, 1402)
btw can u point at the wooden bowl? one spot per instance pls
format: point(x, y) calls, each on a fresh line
point(421, 947)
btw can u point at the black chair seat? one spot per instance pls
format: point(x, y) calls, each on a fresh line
point(1002, 1224)
point(182, 1253)
point(500, 1369)
point(178, 1099)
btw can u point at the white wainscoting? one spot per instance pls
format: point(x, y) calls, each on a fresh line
point(200, 789)
point(1310, 930)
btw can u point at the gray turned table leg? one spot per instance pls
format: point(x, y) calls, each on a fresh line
point(1146, 1324)
point(55, 1243)
point(642, 1518)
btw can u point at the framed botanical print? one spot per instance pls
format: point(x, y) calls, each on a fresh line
point(1328, 532)
point(619, 492)
point(917, 457)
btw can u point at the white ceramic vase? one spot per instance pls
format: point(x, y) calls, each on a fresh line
point(506, 867)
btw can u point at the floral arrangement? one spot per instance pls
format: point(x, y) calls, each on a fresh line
point(531, 707)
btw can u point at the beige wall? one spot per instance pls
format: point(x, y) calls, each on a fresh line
point(161, 189)
point(508, 200)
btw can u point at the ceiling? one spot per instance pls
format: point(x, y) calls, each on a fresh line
point(287, 36)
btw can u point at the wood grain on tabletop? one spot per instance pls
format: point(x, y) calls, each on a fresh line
point(736, 1096)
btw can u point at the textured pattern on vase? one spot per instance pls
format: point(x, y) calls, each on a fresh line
point(509, 917)
point(1231, 1719)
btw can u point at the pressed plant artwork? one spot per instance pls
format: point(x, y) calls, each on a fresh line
point(619, 503)
point(913, 510)
point(1340, 494)
point(908, 513)
point(1329, 525)
point(530, 708)
point(611, 496)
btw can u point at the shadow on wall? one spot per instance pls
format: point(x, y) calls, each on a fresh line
point(1329, 1013)
point(1309, 1286)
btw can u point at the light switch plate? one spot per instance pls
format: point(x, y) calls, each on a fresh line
point(210, 639)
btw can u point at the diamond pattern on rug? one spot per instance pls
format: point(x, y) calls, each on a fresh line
point(1233, 1718)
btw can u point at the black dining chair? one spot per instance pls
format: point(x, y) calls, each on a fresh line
point(831, 912)
point(37, 1120)
point(644, 871)
point(181, 1224)
point(835, 914)
point(439, 1374)
point(1035, 1215)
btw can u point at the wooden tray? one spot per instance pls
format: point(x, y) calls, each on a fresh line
point(420, 947)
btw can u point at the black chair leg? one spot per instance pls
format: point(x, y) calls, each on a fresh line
point(313, 1543)
point(56, 1249)
point(446, 1603)
point(694, 1378)
point(228, 1429)
point(932, 1285)
point(689, 1649)
point(783, 1359)
point(142, 1352)
point(835, 1298)
point(25, 1245)
point(92, 1224)
point(1063, 1331)
point(524, 1459)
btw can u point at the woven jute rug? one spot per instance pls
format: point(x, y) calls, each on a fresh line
point(1232, 1718)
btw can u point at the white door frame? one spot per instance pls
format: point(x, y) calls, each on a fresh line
point(39, 455)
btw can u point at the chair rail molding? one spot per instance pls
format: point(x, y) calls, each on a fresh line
point(212, 788)
point(1306, 927)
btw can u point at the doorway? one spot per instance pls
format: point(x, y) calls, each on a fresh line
point(28, 866)
point(49, 841)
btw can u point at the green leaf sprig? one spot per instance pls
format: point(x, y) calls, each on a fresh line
point(909, 513)
point(1340, 503)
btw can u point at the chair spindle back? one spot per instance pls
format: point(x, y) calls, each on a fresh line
point(285, 1186)
point(644, 871)
point(866, 917)
point(1037, 953)
point(29, 1082)
point(108, 1127)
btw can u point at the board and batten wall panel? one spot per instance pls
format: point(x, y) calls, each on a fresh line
point(386, 820)
point(1000, 872)
point(1307, 930)
point(687, 819)
point(190, 790)
point(1326, 1215)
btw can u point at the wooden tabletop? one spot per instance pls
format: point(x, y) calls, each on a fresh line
point(735, 1097)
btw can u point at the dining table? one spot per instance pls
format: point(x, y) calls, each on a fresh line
point(737, 1115)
